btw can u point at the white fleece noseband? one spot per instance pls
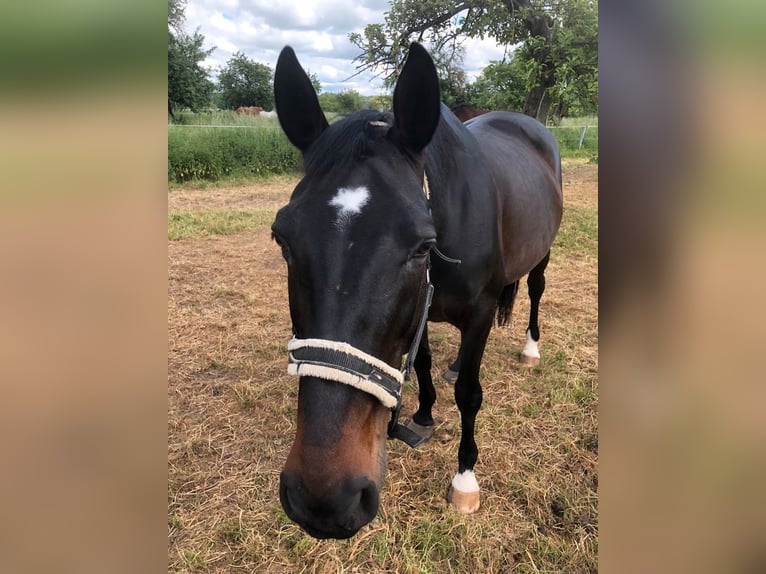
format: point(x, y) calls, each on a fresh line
point(343, 363)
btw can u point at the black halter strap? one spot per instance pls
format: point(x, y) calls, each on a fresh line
point(421, 326)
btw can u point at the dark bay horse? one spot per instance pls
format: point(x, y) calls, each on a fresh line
point(399, 218)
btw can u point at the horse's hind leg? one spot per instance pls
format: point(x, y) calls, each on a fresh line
point(536, 283)
point(422, 421)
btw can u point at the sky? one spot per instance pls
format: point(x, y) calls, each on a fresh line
point(318, 31)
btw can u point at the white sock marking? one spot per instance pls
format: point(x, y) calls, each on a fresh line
point(530, 349)
point(349, 201)
point(465, 482)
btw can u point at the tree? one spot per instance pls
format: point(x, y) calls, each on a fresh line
point(188, 83)
point(381, 103)
point(350, 101)
point(314, 81)
point(176, 15)
point(500, 86)
point(444, 24)
point(574, 59)
point(453, 83)
point(343, 102)
point(244, 82)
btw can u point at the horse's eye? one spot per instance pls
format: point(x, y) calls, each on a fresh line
point(279, 241)
point(423, 249)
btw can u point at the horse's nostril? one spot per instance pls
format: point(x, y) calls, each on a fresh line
point(369, 500)
point(361, 503)
point(287, 497)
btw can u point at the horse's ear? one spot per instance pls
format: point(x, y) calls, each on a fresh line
point(416, 99)
point(296, 101)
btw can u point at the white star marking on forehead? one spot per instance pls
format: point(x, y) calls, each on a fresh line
point(349, 201)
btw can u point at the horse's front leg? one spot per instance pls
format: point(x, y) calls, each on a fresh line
point(464, 490)
point(422, 421)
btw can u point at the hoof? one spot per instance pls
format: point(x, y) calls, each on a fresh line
point(450, 376)
point(465, 502)
point(528, 361)
point(424, 433)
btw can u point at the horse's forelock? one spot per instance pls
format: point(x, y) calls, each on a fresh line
point(346, 141)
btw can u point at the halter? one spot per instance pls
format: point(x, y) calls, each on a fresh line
point(344, 363)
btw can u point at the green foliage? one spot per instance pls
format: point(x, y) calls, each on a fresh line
point(176, 14)
point(216, 153)
point(571, 58)
point(244, 82)
point(343, 102)
point(188, 84)
point(381, 103)
point(328, 102)
point(314, 81)
point(500, 86)
point(453, 83)
point(350, 101)
point(557, 58)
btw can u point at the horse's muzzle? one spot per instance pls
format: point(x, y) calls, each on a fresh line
point(340, 515)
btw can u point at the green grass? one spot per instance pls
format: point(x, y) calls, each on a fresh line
point(590, 121)
point(568, 139)
point(252, 147)
point(186, 224)
point(211, 153)
point(195, 559)
point(579, 232)
point(222, 118)
point(230, 532)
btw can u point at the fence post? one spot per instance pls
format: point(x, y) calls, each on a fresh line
point(582, 136)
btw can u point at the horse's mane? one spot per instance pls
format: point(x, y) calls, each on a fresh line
point(450, 136)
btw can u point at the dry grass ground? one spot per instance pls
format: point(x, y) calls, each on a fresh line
point(232, 409)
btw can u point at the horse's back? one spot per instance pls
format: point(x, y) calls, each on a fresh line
point(526, 167)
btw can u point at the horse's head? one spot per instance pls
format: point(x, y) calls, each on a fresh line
point(355, 235)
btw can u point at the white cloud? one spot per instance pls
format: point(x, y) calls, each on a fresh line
point(220, 22)
point(322, 43)
point(317, 30)
point(479, 53)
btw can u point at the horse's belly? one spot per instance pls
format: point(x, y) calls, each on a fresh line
point(528, 231)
